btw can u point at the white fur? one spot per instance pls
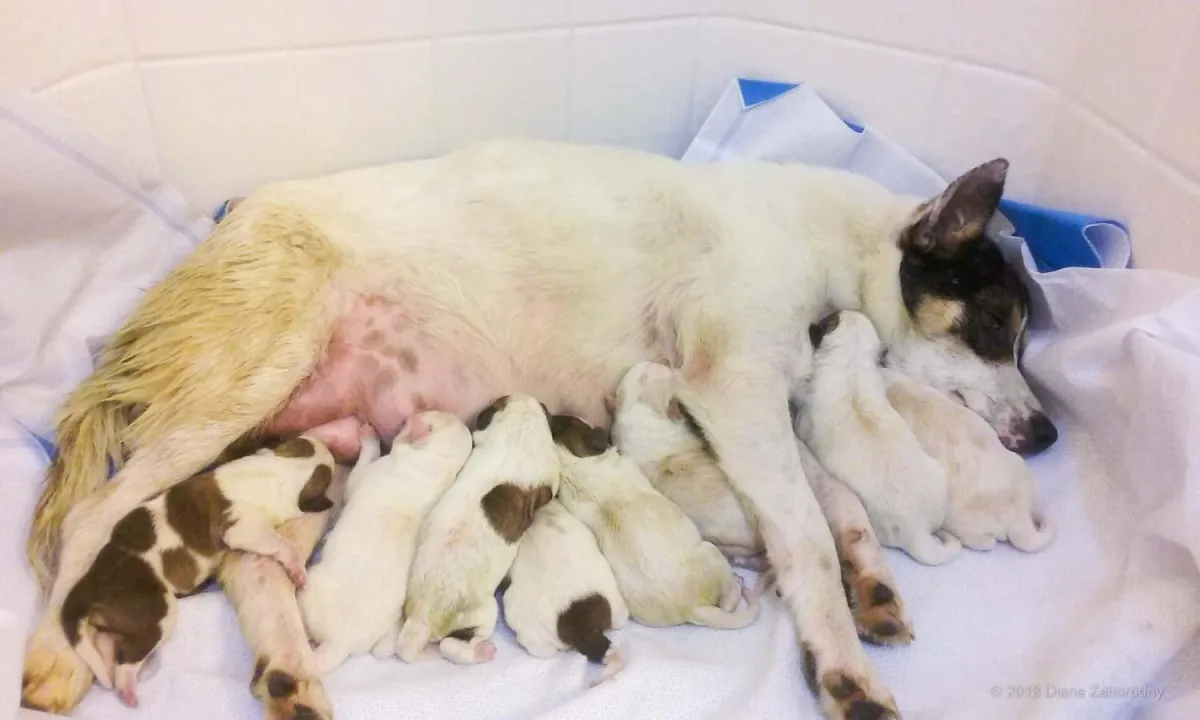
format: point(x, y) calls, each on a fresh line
point(991, 490)
point(558, 562)
point(461, 559)
point(355, 595)
point(675, 461)
point(667, 573)
point(854, 432)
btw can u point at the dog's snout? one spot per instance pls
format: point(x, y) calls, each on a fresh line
point(1043, 434)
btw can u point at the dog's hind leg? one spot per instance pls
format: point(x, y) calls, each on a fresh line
point(740, 402)
point(212, 352)
point(286, 678)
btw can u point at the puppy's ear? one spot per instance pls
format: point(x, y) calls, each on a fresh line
point(577, 437)
point(485, 417)
point(959, 214)
point(818, 330)
point(312, 496)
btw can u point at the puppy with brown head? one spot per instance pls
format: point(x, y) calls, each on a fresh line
point(469, 540)
point(651, 427)
point(562, 593)
point(666, 572)
point(124, 605)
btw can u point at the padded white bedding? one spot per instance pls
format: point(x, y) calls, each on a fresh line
point(1112, 604)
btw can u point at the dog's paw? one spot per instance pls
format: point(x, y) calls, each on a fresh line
point(289, 696)
point(846, 698)
point(55, 677)
point(877, 608)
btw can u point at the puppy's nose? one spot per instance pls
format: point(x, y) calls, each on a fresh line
point(1042, 432)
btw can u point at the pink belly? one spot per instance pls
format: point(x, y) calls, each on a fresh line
point(381, 367)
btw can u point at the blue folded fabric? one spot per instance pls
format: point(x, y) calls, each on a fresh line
point(1056, 238)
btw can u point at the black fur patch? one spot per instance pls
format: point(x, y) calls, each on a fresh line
point(465, 634)
point(280, 684)
point(818, 330)
point(485, 416)
point(810, 667)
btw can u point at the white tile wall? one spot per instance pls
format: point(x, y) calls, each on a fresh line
point(1095, 101)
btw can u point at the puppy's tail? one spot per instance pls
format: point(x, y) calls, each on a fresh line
point(714, 617)
point(413, 639)
point(1031, 532)
point(90, 428)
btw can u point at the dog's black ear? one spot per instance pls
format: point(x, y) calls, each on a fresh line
point(579, 438)
point(959, 214)
point(818, 330)
point(312, 495)
point(485, 416)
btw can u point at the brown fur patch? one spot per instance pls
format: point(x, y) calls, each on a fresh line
point(181, 570)
point(937, 316)
point(135, 531)
point(121, 595)
point(280, 684)
point(260, 666)
point(312, 495)
point(583, 624)
point(408, 359)
point(510, 508)
point(809, 667)
point(197, 510)
point(882, 594)
point(299, 447)
point(849, 695)
point(485, 416)
point(577, 437)
point(465, 634)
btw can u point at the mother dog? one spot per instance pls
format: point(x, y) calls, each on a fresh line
point(548, 269)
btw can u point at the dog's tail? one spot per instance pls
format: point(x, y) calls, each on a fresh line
point(715, 617)
point(412, 640)
point(90, 428)
point(1031, 532)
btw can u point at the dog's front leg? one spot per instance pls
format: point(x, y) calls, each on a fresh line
point(285, 677)
point(741, 404)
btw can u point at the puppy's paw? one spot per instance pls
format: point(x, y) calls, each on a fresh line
point(846, 698)
point(55, 677)
point(485, 652)
point(288, 695)
point(293, 565)
point(877, 609)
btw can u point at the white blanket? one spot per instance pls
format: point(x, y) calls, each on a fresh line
point(1111, 606)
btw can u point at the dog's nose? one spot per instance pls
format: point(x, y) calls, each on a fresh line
point(1043, 434)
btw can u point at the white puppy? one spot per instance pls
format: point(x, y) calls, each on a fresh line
point(652, 428)
point(355, 595)
point(851, 427)
point(992, 494)
point(667, 573)
point(562, 593)
point(470, 539)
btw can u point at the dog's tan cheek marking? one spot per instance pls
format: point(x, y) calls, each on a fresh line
point(938, 316)
point(180, 569)
point(509, 508)
point(198, 511)
point(299, 447)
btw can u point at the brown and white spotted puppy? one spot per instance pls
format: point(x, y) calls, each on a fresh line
point(469, 540)
point(652, 428)
point(562, 593)
point(666, 572)
point(124, 605)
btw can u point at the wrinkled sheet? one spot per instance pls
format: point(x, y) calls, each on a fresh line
point(1112, 603)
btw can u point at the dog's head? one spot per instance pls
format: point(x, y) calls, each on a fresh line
point(521, 409)
point(967, 308)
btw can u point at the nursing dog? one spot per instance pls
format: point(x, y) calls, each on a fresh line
point(666, 572)
point(992, 493)
point(470, 539)
point(547, 269)
point(355, 594)
point(853, 430)
point(124, 607)
point(561, 592)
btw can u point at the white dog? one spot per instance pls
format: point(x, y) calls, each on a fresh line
point(667, 573)
point(851, 427)
point(470, 539)
point(562, 593)
point(652, 428)
point(992, 493)
point(355, 595)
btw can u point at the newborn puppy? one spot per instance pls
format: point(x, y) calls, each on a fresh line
point(470, 538)
point(666, 572)
point(653, 429)
point(124, 605)
point(562, 593)
point(992, 493)
point(851, 427)
point(355, 595)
